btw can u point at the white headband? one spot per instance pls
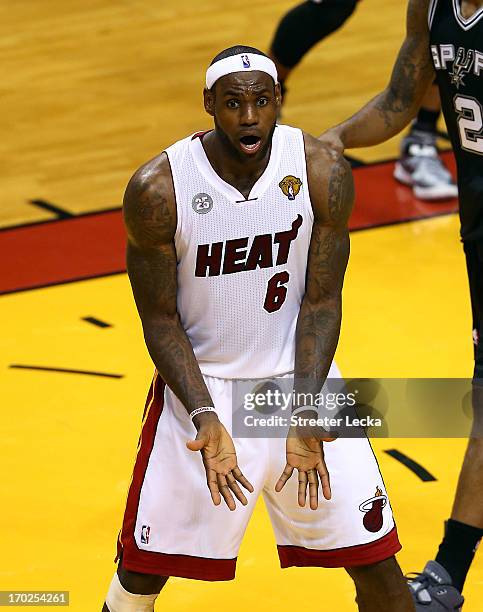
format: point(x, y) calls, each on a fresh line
point(244, 62)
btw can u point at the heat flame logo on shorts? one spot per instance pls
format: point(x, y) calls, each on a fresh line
point(372, 508)
point(290, 186)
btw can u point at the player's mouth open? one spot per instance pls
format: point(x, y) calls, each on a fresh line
point(250, 144)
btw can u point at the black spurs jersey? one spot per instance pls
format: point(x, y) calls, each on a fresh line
point(457, 52)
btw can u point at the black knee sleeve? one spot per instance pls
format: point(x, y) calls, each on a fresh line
point(305, 25)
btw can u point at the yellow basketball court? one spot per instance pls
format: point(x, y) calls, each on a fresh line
point(92, 90)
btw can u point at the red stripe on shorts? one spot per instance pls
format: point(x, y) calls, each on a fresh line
point(350, 556)
point(147, 562)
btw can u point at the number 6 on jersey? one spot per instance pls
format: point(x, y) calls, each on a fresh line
point(276, 291)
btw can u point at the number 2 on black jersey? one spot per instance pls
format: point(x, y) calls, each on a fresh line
point(470, 123)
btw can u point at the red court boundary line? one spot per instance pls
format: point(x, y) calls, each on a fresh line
point(70, 281)
point(64, 250)
point(92, 244)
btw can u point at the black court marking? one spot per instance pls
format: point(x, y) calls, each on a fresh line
point(412, 465)
point(59, 212)
point(90, 213)
point(17, 366)
point(97, 322)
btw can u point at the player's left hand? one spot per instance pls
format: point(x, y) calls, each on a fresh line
point(305, 453)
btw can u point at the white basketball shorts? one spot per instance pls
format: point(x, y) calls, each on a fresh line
point(172, 528)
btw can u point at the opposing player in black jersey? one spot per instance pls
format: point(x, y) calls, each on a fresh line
point(419, 166)
point(444, 39)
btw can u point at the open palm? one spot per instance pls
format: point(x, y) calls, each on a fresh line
point(305, 453)
point(221, 466)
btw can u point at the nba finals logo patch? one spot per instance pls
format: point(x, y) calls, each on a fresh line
point(245, 61)
point(145, 531)
point(290, 186)
point(372, 508)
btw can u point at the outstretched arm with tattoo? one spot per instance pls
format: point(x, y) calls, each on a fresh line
point(150, 218)
point(318, 325)
point(390, 111)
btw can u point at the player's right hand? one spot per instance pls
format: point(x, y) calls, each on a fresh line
point(220, 461)
point(332, 139)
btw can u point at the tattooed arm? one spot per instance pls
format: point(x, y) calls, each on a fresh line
point(390, 111)
point(150, 218)
point(318, 325)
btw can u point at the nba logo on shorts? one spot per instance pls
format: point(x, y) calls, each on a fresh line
point(245, 61)
point(145, 531)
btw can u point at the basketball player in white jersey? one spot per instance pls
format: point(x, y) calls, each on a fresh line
point(238, 245)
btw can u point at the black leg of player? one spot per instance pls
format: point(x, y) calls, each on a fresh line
point(429, 113)
point(381, 587)
point(465, 527)
point(303, 27)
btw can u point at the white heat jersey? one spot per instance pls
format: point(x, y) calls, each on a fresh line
point(242, 262)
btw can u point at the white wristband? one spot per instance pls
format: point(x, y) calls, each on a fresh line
point(197, 411)
point(304, 409)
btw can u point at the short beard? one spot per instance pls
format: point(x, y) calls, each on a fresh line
point(236, 153)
